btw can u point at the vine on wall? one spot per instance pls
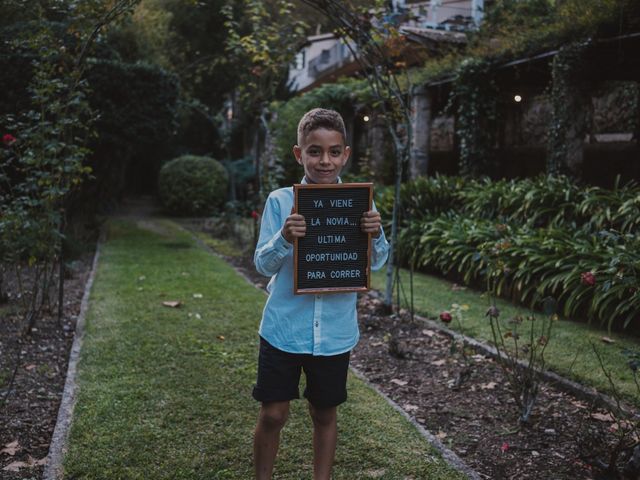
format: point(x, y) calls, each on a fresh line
point(473, 100)
point(566, 69)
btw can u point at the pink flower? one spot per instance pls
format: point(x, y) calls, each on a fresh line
point(445, 317)
point(255, 215)
point(588, 278)
point(504, 447)
point(8, 139)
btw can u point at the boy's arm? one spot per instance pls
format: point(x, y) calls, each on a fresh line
point(272, 247)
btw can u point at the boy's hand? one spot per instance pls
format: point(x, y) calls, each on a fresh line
point(370, 223)
point(294, 227)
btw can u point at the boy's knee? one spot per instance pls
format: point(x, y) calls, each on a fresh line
point(274, 416)
point(323, 417)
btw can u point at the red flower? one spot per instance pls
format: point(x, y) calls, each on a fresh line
point(588, 278)
point(504, 447)
point(255, 215)
point(445, 317)
point(8, 139)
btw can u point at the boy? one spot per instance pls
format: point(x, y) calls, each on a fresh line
point(314, 333)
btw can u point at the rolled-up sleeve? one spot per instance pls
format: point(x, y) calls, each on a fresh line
point(379, 249)
point(272, 247)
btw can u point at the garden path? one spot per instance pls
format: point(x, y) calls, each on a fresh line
point(165, 387)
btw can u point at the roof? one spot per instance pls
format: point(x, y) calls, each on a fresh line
point(428, 36)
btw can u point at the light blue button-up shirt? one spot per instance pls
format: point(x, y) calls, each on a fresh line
point(324, 324)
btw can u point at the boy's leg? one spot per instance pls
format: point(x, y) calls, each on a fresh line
point(276, 385)
point(325, 437)
point(326, 389)
point(271, 419)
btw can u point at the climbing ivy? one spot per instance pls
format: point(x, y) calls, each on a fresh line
point(566, 68)
point(473, 100)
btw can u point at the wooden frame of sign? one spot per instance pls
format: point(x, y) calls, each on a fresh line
point(334, 255)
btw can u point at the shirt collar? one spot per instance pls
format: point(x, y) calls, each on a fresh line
point(304, 180)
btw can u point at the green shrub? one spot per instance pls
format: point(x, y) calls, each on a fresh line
point(535, 263)
point(548, 233)
point(193, 185)
point(422, 198)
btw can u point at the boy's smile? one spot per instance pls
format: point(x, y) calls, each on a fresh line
point(322, 155)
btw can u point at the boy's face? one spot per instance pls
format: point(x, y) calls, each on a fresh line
point(322, 155)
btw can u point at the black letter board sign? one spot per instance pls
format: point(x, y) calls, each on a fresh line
point(334, 254)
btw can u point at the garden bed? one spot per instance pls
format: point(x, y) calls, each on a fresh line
point(478, 420)
point(31, 409)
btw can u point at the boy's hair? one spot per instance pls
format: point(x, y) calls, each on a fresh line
point(320, 118)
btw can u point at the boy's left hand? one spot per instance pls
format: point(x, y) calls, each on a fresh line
point(370, 223)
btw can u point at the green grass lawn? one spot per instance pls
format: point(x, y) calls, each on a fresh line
point(568, 353)
point(165, 393)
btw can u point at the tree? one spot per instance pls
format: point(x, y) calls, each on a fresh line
point(45, 137)
point(371, 42)
point(262, 42)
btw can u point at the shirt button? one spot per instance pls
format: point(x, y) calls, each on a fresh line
point(318, 297)
point(317, 324)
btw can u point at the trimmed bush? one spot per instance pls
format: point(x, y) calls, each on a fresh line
point(193, 185)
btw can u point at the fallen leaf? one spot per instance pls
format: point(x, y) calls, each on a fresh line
point(30, 367)
point(606, 417)
point(30, 463)
point(479, 358)
point(220, 337)
point(402, 383)
point(11, 448)
point(578, 404)
point(488, 385)
point(608, 340)
point(172, 303)
point(441, 435)
point(428, 333)
point(438, 363)
point(197, 295)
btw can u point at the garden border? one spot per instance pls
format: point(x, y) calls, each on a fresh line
point(448, 455)
point(57, 447)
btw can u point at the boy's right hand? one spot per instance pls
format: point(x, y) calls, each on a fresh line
point(294, 227)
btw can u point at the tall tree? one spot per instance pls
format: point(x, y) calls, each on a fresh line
point(372, 41)
point(262, 42)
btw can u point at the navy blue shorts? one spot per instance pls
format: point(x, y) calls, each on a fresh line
point(279, 376)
